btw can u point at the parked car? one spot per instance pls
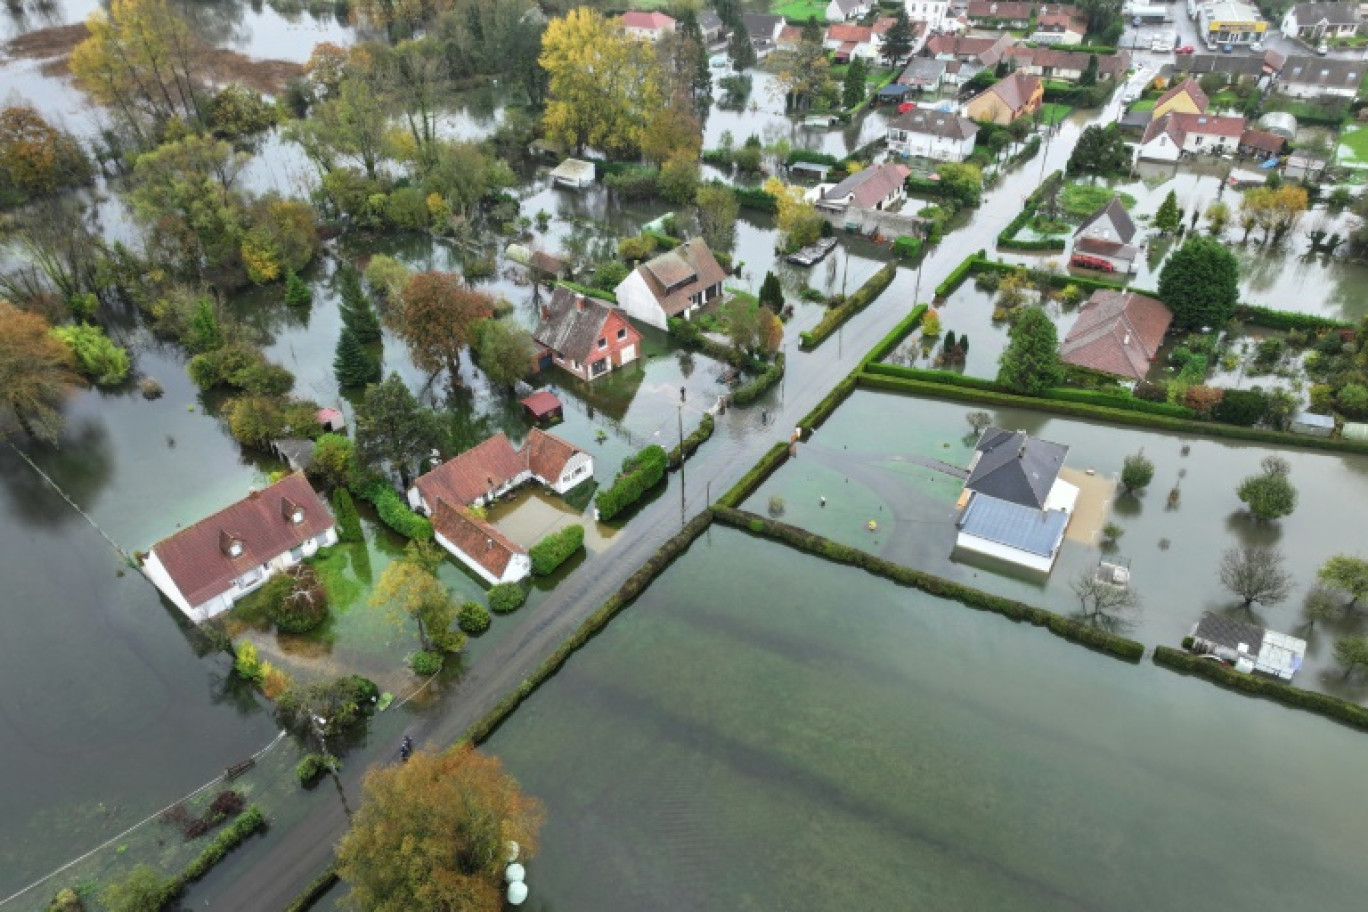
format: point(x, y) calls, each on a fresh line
point(1227, 48)
point(907, 106)
point(1161, 45)
point(1256, 46)
point(1322, 49)
point(1186, 49)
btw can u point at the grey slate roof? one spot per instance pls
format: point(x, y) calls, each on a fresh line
point(1033, 531)
point(1015, 467)
point(945, 124)
point(1309, 14)
point(567, 329)
point(1228, 631)
point(1323, 72)
point(1122, 226)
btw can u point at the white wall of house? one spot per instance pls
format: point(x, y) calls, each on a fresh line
point(1160, 148)
point(1005, 552)
point(932, 12)
point(937, 148)
point(1057, 38)
point(1303, 90)
point(519, 565)
point(580, 467)
point(1205, 144)
point(635, 298)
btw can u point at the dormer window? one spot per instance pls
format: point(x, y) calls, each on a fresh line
point(235, 549)
point(292, 511)
point(230, 544)
point(297, 516)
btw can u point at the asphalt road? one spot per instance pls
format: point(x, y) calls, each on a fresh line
point(267, 874)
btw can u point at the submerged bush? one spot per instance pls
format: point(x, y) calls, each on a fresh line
point(473, 618)
point(506, 598)
point(426, 663)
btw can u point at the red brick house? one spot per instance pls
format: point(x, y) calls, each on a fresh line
point(1118, 333)
point(585, 336)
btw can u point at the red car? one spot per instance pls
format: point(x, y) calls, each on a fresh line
point(907, 106)
point(1185, 49)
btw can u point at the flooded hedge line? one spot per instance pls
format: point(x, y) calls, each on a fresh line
point(895, 336)
point(314, 891)
point(1114, 415)
point(822, 411)
point(803, 540)
point(758, 385)
point(692, 442)
point(1321, 704)
point(838, 315)
point(633, 586)
point(776, 456)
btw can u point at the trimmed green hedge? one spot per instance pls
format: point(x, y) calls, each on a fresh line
point(626, 593)
point(836, 316)
point(756, 386)
point(757, 199)
point(687, 333)
point(1068, 628)
point(1282, 319)
point(907, 246)
point(871, 380)
point(1116, 400)
point(1322, 704)
point(894, 338)
point(639, 474)
point(588, 292)
point(665, 241)
point(957, 275)
point(774, 457)
point(236, 833)
point(506, 598)
point(813, 419)
point(396, 514)
point(693, 441)
point(315, 890)
point(555, 549)
point(811, 158)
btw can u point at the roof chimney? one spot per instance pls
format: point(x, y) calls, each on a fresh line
point(1021, 453)
point(489, 543)
point(579, 303)
point(545, 312)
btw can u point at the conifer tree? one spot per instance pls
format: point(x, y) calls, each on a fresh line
point(353, 365)
point(357, 313)
point(297, 294)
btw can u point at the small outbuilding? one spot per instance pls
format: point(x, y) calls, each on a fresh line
point(543, 406)
point(1281, 123)
point(332, 420)
point(1248, 647)
point(1354, 430)
point(573, 173)
point(1313, 425)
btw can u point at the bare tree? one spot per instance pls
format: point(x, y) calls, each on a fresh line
point(1256, 574)
point(1104, 604)
point(978, 421)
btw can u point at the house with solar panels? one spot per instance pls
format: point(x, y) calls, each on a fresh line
point(1014, 505)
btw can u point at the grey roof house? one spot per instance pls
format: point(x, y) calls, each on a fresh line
point(1309, 77)
point(1107, 235)
point(1250, 648)
point(1014, 506)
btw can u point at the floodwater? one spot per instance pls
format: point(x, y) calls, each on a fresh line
point(761, 730)
point(865, 460)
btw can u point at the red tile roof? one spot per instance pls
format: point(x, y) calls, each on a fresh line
point(473, 474)
point(1262, 140)
point(640, 20)
point(547, 454)
point(541, 404)
point(483, 543)
point(1117, 333)
point(198, 560)
point(856, 33)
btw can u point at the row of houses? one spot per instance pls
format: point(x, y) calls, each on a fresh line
point(1298, 75)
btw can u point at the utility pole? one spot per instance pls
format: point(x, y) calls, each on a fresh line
point(680, 412)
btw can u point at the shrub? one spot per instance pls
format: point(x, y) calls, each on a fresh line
point(907, 246)
point(246, 662)
point(1245, 408)
point(634, 183)
point(426, 664)
point(753, 388)
point(393, 512)
point(97, 358)
point(348, 522)
point(756, 199)
point(473, 618)
point(555, 549)
point(639, 474)
point(640, 247)
point(304, 604)
point(506, 598)
point(334, 457)
point(311, 768)
point(609, 275)
point(247, 823)
point(693, 441)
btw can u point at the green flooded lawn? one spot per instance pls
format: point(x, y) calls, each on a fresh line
point(762, 730)
point(870, 460)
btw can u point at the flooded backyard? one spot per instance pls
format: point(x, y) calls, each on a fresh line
point(762, 730)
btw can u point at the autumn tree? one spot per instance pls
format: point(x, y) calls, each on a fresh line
point(771, 335)
point(1030, 364)
point(432, 833)
point(742, 317)
point(803, 75)
point(1218, 216)
point(414, 81)
point(436, 317)
point(409, 588)
point(281, 240)
point(392, 430)
point(142, 61)
point(36, 158)
point(185, 194)
point(59, 248)
point(1256, 574)
point(396, 16)
point(36, 372)
point(797, 218)
point(603, 86)
point(717, 212)
point(505, 351)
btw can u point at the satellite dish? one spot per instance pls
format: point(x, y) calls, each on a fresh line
point(517, 892)
point(515, 873)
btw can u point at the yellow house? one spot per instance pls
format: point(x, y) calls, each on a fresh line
point(1010, 98)
point(1185, 98)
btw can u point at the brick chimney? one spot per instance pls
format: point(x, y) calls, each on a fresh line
point(579, 303)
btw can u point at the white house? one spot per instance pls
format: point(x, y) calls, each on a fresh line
point(650, 26)
point(480, 475)
point(875, 187)
point(937, 135)
point(1313, 77)
point(845, 10)
point(677, 283)
point(204, 568)
point(933, 12)
point(1316, 22)
point(1168, 137)
point(1014, 507)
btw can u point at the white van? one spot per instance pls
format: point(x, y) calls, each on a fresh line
point(1163, 45)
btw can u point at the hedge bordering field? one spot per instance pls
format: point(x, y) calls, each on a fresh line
point(393, 512)
point(836, 316)
point(600, 293)
point(626, 593)
point(774, 457)
point(895, 337)
point(758, 385)
point(822, 410)
point(1067, 628)
point(1351, 714)
point(692, 442)
point(1112, 415)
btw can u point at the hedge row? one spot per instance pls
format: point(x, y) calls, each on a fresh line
point(907, 246)
point(1069, 629)
point(895, 337)
point(1051, 244)
point(588, 292)
point(315, 890)
point(639, 474)
point(1282, 319)
point(774, 457)
point(1116, 400)
point(236, 833)
point(693, 441)
point(396, 514)
point(665, 241)
point(755, 387)
point(1322, 704)
point(810, 157)
point(555, 549)
point(957, 275)
point(626, 593)
point(873, 380)
point(755, 198)
point(813, 419)
point(687, 333)
point(852, 305)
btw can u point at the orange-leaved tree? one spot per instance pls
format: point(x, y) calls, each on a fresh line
point(36, 372)
point(437, 317)
point(432, 833)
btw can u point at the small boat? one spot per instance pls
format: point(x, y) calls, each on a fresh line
point(813, 253)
